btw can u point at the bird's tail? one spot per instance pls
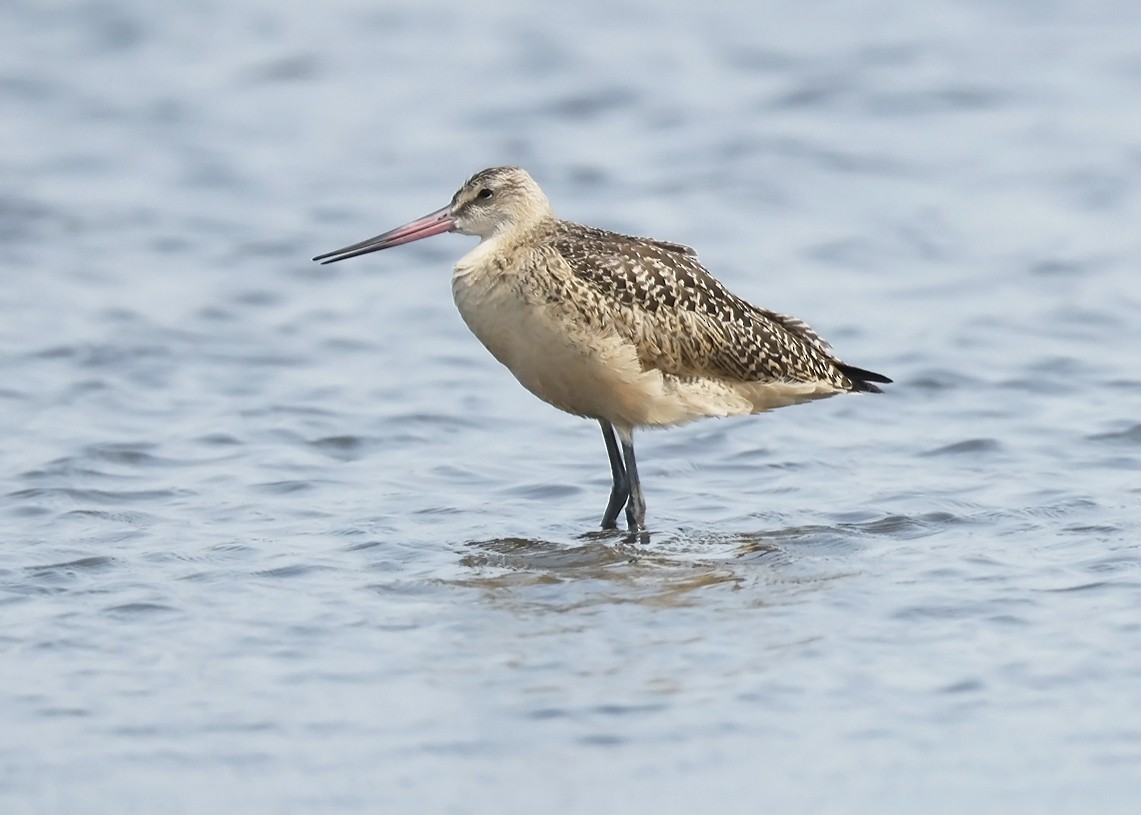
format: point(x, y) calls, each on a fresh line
point(862, 380)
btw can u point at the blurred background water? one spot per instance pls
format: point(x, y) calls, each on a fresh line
point(283, 538)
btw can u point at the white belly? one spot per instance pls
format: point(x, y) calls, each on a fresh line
point(549, 357)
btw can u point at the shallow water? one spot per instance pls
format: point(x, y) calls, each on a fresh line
point(284, 538)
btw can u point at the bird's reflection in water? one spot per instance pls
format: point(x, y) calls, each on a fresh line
point(672, 568)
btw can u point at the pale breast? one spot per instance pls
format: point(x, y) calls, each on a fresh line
point(556, 360)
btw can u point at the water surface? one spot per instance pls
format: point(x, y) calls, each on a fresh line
point(285, 538)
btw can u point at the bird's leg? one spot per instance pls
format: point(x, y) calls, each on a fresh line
point(636, 506)
point(620, 491)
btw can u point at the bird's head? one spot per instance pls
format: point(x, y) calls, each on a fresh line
point(493, 201)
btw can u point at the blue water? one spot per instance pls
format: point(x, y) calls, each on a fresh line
point(284, 538)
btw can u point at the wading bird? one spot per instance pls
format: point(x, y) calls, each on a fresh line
point(630, 332)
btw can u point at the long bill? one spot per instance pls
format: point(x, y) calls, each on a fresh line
point(435, 223)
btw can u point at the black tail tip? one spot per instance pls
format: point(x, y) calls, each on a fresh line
point(862, 379)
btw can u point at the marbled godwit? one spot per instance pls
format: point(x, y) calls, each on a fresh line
point(631, 332)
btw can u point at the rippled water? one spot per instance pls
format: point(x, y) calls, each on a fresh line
point(282, 538)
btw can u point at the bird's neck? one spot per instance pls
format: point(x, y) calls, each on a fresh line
point(497, 255)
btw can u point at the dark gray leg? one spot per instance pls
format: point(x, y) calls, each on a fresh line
point(636, 507)
point(620, 492)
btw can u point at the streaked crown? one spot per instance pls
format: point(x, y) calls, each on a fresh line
point(497, 200)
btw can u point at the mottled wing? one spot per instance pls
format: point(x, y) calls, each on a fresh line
point(683, 321)
point(799, 328)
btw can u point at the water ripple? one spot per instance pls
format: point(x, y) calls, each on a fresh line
point(282, 537)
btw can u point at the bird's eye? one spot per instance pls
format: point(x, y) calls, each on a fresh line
point(484, 194)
